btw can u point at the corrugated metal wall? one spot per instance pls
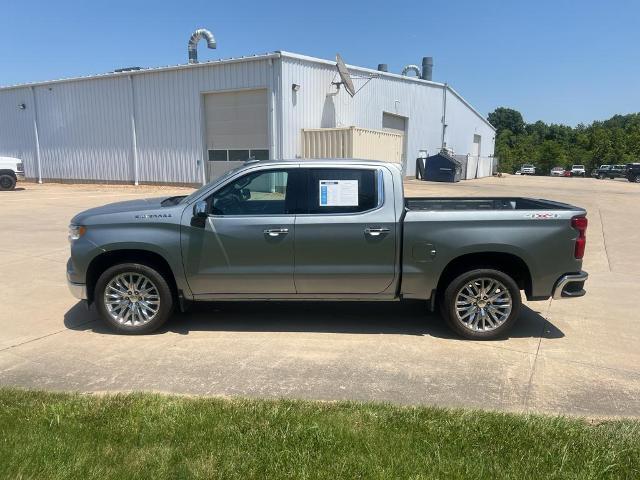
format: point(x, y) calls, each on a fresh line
point(85, 125)
point(17, 137)
point(421, 103)
point(84, 130)
point(463, 124)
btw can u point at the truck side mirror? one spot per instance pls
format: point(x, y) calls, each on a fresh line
point(200, 209)
point(199, 214)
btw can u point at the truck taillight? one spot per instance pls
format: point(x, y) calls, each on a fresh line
point(580, 224)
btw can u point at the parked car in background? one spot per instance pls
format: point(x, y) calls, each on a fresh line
point(601, 170)
point(610, 171)
point(618, 171)
point(632, 172)
point(331, 229)
point(578, 171)
point(528, 169)
point(10, 169)
point(557, 172)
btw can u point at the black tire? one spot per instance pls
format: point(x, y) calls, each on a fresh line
point(164, 310)
point(636, 179)
point(448, 304)
point(7, 182)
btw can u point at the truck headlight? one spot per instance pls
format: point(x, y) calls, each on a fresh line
point(76, 231)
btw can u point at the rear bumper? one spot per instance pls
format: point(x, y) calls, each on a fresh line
point(570, 285)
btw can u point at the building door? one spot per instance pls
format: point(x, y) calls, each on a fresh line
point(237, 129)
point(397, 124)
point(475, 157)
point(475, 149)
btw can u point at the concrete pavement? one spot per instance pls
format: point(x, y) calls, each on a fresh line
point(572, 356)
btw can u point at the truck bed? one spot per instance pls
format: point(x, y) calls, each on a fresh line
point(482, 203)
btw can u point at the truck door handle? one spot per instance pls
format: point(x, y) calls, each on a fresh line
point(275, 232)
point(375, 232)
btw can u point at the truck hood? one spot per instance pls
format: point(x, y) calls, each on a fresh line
point(144, 206)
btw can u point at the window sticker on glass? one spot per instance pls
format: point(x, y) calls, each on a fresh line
point(338, 193)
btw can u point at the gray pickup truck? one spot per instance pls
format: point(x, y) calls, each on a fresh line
point(325, 230)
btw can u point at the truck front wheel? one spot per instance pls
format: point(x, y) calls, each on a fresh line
point(7, 182)
point(133, 298)
point(481, 304)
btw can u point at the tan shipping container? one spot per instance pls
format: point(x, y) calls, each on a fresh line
point(352, 142)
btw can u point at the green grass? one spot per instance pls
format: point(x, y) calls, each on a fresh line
point(46, 435)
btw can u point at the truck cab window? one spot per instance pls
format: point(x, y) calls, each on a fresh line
point(342, 190)
point(257, 193)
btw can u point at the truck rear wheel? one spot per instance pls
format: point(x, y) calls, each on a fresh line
point(481, 304)
point(133, 298)
point(7, 182)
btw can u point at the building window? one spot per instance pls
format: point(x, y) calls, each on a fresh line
point(217, 155)
point(238, 155)
point(260, 154)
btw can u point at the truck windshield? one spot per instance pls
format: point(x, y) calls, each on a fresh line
point(196, 193)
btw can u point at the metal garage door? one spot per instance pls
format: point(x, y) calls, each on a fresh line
point(397, 124)
point(237, 129)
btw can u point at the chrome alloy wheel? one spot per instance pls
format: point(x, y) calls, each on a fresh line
point(483, 304)
point(132, 299)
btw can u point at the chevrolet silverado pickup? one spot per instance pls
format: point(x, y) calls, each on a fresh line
point(325, 230)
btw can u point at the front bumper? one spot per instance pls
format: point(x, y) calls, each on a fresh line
point(78, 290)
point(570, 285)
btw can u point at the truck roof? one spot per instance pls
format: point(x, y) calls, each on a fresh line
point(345, 161)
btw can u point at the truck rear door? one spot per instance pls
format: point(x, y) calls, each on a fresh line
point(345, 242)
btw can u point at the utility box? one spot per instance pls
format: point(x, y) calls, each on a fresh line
point(442, 167)
point(352, 142)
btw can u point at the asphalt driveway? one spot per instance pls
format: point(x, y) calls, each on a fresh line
point(571, 356)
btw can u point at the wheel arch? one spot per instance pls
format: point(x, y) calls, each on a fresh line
point(509, 263)
point(115, 257)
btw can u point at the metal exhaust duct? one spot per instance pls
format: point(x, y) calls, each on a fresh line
point(193, 43)
point(383, 67)
point(411, 68)
point(427, 68)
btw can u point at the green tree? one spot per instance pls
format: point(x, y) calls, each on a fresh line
point(507, 119)
point(613, 141)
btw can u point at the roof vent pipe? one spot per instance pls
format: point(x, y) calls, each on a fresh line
point(427, 68)
point(411, 68)
point(383, 67)
point(193, 43)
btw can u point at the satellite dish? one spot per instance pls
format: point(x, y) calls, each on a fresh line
point(345, 77)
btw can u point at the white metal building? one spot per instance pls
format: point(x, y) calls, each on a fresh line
point(189, 123)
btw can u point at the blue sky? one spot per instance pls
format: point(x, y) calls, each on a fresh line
point(557, 61)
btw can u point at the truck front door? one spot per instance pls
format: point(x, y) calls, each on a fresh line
point(345, 241)
point(246, 243)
